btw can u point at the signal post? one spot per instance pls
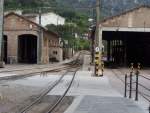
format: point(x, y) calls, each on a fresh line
point(99, 66)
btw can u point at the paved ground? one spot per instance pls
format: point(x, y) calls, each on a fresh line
point(96, 104)
point(92, 94)
point(97, 94)
point(118, 84)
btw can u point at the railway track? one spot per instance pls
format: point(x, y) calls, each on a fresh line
point(118, 75)
point(38, 67)
point(25, 75)
point(40, 70)
point(31, 68)
point(28, 106)
point(59, 100)
point(25, 107)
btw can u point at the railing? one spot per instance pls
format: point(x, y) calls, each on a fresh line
point(132, 84)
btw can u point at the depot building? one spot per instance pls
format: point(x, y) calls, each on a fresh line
point(127, 37)
point(27, 42)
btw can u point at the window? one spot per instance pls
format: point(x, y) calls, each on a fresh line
point(55, 52)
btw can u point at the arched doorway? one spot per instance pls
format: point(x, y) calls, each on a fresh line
point(27, 49)
point(5, 48)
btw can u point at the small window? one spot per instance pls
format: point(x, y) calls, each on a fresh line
point(55, 52)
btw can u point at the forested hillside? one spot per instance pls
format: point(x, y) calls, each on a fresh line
point(109, 7)
point(76, 12)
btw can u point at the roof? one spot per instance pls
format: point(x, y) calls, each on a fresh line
point(24, 18)
point(125, 12)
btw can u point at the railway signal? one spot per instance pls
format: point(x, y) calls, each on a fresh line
point(98, 66)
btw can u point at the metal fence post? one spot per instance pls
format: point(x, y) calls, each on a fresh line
point(149, 108)
point(125, 91)
point(130, 90)
point(137, 84)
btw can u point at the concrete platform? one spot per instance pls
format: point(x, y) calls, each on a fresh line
point(95, 95)
point(98, 104)
point(86, 84)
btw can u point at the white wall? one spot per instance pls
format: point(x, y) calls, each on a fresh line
point(15, 11)
point(51, 18)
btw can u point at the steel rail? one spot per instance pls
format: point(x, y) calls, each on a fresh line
point(5, 71)
point(44, 93)
point(31, 74)
point(47, 90)
point(16, 70)
point(117, 75)
point(145, 94)
point(65, 93)
point(144, 77)
point(144, 87)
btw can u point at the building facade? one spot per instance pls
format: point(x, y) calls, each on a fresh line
point(21, 41)
point(127, 37)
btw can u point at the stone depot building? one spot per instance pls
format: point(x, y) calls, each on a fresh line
point(27, 42)
point(126, 37)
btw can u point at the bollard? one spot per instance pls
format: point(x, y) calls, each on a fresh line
point(125, 91)
point(137, 85)
point(130, 90)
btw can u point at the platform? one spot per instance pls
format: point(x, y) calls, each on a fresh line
point(99, 104)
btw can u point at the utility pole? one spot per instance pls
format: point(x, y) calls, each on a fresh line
point(98, 42)
point(1, 32)
point(40, 40)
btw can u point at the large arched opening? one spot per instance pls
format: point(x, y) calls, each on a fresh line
point(27, 49)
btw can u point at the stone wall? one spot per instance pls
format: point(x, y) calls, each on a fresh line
point(15, 25)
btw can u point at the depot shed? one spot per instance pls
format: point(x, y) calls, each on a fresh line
point(127, 37)
point(28, 42)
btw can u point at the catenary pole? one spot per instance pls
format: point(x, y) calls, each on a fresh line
point(40, 39)
point(97, 41)
point(97, 38)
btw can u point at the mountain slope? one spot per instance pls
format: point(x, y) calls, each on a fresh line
point(109, 7)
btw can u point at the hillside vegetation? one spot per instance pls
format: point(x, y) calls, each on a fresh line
point(76, 12)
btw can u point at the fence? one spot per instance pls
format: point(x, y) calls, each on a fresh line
point(132, 84)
